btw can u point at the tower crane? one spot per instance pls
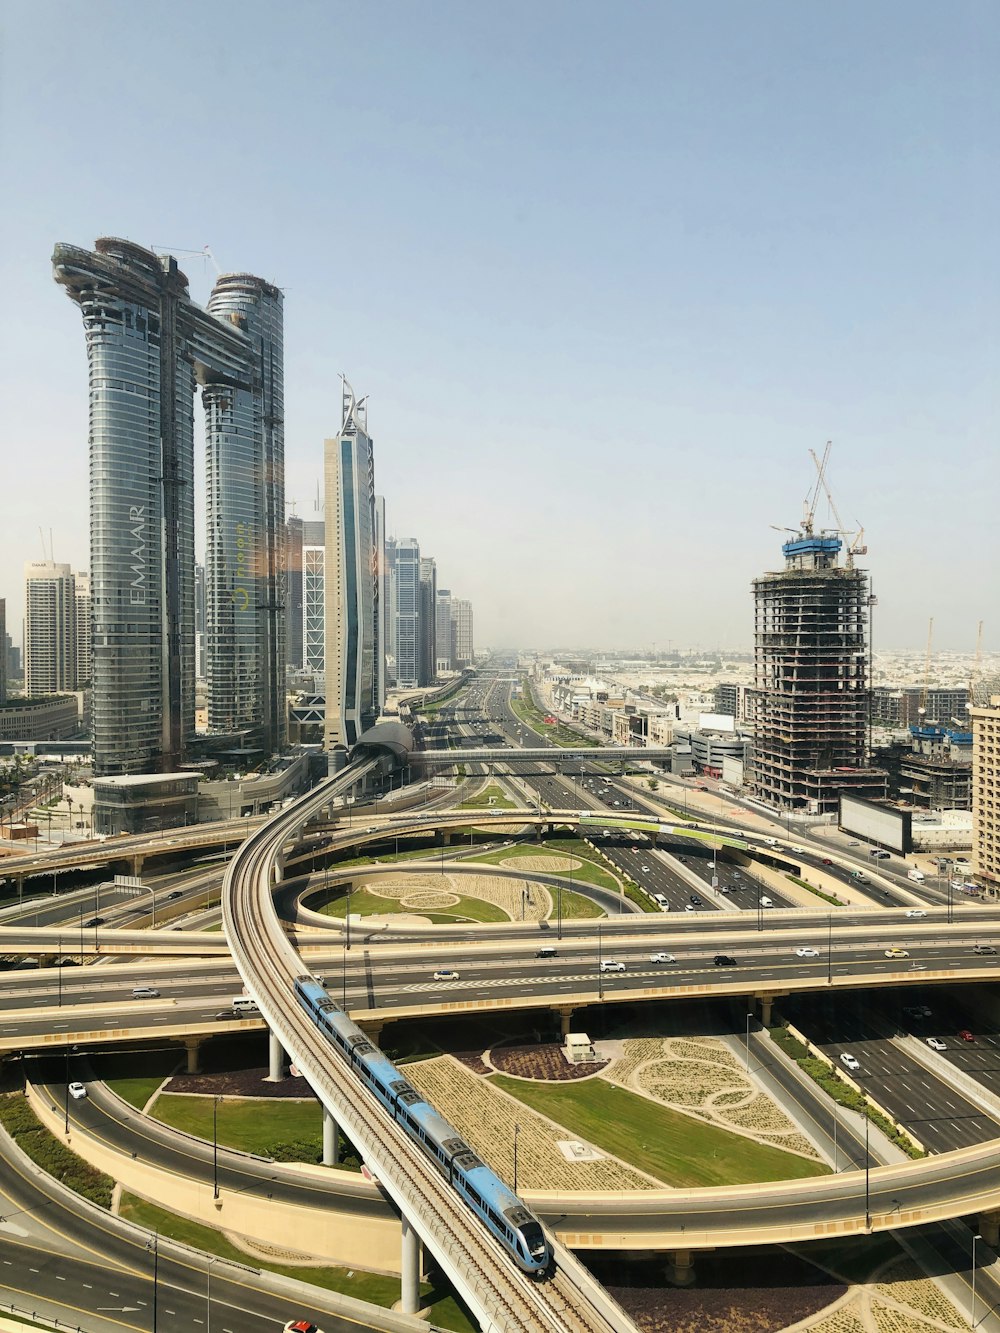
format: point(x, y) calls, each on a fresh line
point(204, 253)
point(856, 545)
point(922, 710)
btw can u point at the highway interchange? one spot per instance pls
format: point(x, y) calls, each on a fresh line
point(937, 1114)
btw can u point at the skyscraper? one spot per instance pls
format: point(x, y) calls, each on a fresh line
point(313, 627)
point(200, 662)
point(147, 343)
point(406, 601)
point(985, 715)
point(245, 515)
point(49, 629)
point(81, 588)
point(351, 587)
point(810, 699)
point(442, 630)
point(382, 588)
point(293, 592)
point(3, 650)
point(427, 650)
point(462, 637)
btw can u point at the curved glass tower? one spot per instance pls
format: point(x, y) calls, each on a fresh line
point(245, 518)
point(147, 343)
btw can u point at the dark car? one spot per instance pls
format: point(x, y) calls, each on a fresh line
point(95, 921)
point(724, 960)
point(177, 893)
point(966, 1035)
point(696, 900)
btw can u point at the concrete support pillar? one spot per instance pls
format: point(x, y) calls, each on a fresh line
point(989, 1229)
point(331, 1140)
point(193, 1047)
point(680, 1268)
point(275, 1059)
point(279, 868)
point(137, 863)
point(766, 1005)
point(409, 1291)
point(565, 1012)
point(372, 1028)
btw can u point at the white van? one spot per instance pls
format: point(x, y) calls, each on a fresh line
point(918, 875)
point(765, 901)
point(771, 842)
point(244, 1004)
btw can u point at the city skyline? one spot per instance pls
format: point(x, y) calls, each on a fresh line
point(805, 255)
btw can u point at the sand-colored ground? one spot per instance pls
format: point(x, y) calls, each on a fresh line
point(701, 1077)
point(441, 893)
point(486, 1117)
point(901, 1300)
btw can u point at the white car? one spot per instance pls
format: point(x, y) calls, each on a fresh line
point(936, 1044)
point(916, 912)
point(850, 1061)
point(446, 974)
point(77, 1090)
point(662, 958)
point(609, 965)
point(806, 952)
point(644, 869)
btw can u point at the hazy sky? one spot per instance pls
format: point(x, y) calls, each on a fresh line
point(607, 272)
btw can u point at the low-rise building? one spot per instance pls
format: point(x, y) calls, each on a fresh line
point(52, 717)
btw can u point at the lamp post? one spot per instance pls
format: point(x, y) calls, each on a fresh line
point(66, 1098)
point(153, 1246)
point(600, 964)
point(972, 1322)
point(868, 1197)
point(208, 1293)
point(829, 948)
point(517, 1130)
point(749, 1016)
point(215, 1149)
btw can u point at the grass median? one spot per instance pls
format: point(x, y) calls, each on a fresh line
point(677, 1149)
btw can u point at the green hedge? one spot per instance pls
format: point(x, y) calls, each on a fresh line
point(834, 1086)
point(46, 1151)
point(827, 897)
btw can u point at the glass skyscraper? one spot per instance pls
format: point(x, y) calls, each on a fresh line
point(147, 345)
point(245, 517)
point(351, 582)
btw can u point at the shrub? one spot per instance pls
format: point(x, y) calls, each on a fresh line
point(46, 1151)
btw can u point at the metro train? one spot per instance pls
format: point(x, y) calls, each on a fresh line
point(497, 1207)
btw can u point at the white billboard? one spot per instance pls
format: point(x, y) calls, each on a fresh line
point(716, 722)
point(881, 825)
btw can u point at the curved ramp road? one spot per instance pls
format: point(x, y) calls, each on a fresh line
point(503, 1299)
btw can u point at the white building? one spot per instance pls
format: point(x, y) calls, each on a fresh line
point(49, 629)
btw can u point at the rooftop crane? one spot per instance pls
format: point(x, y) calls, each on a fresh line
point(856, 546)
point(204, 253)
point(922, 710)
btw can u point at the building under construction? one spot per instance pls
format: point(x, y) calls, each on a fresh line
point(810, 702)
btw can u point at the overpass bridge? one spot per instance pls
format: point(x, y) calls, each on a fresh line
point(558, 755)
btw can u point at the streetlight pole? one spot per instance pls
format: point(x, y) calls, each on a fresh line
point(868, 1197)
point(215, 1148)
point(154, 1246)
point(517, 1130)
point(749, 1016)
point(600, 964)
point(975, 1238)
point(208, 1293)
point(829, 948)
point(66, 1098)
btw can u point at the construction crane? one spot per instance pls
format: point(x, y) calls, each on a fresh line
point(856, 544)
point(922, 710)
point(204, 253)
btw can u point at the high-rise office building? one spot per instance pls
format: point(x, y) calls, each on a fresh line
point(245, 516)
point(49, 629)
point(406, 603)
point(351, 586)
point(382, 588)
point(3, 650)
point(313, 627)
point(442, 631)
point(464, 652)
point(81, 586)
point(147, 345)
point(427, 629)
point(985, 715)
point(810, 699)
point(293, 592)
point(200, 624)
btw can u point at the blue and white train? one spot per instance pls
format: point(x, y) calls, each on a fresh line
point(497, 1207)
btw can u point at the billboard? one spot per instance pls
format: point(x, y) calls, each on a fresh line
point(716, 722)
point(881, 825)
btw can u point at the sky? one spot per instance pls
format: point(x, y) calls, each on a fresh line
point(607, 273)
